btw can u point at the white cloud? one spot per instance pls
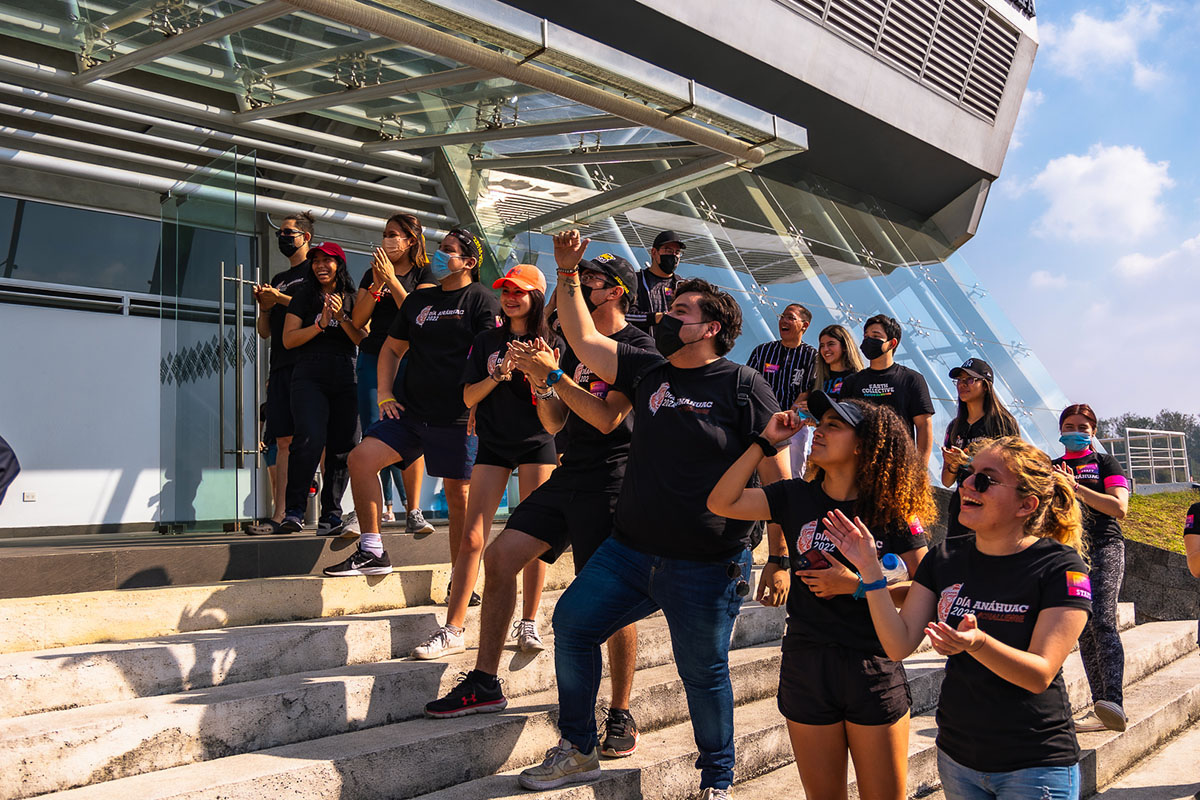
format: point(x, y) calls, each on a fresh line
point(1029, 103)
point(1041, 279)
point(1091, 45)
point(1108, 193)
point(1185, 257)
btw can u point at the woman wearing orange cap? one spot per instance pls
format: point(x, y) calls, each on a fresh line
point(511, 437)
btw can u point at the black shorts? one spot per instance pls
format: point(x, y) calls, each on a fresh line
point(279, 404)
point(824, 685)
point(449, 452)
point(562, 516)
point(541, 452)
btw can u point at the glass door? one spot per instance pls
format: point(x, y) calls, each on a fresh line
point(210, 350)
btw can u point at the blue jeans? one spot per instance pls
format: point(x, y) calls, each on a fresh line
point(368, 412)
point(619, 586)
point(1034, 783)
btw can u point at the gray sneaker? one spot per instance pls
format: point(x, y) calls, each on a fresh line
point(416, 523)
point(345, 528)
point(713, 793)
point(1111, 714)
point(564, 764)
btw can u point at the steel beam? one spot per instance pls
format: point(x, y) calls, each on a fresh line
point(603, 122)
point(609, 155)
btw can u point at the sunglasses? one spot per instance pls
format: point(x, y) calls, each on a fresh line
point(734, 570)
point(285, 233)
point(982, 481)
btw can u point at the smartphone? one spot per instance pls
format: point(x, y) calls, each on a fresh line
point(813, 558)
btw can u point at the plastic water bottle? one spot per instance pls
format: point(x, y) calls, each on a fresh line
point(894, 568)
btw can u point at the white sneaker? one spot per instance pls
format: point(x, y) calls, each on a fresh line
point(1089, 723)
point(526, 633)
point(713, 793)
point(444, 642)
point(387, 516)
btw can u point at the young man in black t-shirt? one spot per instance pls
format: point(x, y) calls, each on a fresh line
point(695, 413)
point(574, 507)
point(294, 237)
point(656, 284)
point(892, 384)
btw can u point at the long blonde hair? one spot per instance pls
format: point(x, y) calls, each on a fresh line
point(849, 353)
point(1057, 516)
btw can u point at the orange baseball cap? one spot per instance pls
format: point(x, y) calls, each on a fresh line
point(523, 276)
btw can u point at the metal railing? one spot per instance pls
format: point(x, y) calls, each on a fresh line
point(1151, 457)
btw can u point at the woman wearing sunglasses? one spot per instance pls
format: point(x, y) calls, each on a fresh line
point(981, 416)
point(837, 689)
point(1103, 493)
point(1006, 606)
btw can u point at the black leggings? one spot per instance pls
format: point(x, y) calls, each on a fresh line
point(1100, 643)
point(325, 411)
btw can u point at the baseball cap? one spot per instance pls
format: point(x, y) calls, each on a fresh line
point(976, 368)
point(668, 236)
point(819, 403)
point(523, 276)
point(617, 268)
point(329, 249)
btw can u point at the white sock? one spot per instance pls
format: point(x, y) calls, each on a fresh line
point(372, 543)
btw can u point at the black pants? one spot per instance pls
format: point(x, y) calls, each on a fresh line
point(325, 411)
point(1100, 643)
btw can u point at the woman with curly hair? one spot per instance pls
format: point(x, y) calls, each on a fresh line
point(1006, 605)
point(837, 689)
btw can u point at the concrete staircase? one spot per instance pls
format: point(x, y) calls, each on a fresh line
point(299, 687)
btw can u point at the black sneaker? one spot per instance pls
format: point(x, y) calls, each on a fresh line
point(292, 523)
point(361, 562)
point(620, 734)
point(474, 694)
point(475, 600)
point(335, 526)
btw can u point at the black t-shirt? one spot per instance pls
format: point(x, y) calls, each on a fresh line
point(1098, 472)
point(899, 387)
point(976, 431)
point(286, 282)
point(654, 296)
point(800, 507)
point(439, 328)
point(307, 303)
point(595, 461)
point(1191, 523)
point(833, 384)
point(984, 722)
point(688, 428)
point(507, 418)
point(386, 309)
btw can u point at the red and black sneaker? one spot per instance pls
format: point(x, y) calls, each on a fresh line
point(620, 734)
point(476, 693)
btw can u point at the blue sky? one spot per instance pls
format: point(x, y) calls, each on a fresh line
point(1090, 239)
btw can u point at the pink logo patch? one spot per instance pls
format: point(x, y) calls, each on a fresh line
point(1079, 585)
point(949, 595)
point(915, 527)
point(1190, 522)
point(770, 368)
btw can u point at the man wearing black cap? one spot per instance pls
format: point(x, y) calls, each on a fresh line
point(574, 507)
point(657, 283)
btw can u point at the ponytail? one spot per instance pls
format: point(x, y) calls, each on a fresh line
point(1063, 520)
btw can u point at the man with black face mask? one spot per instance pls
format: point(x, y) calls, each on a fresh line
point(657, 283)
point(891, 384)
point(694, 413)
point(294, 236)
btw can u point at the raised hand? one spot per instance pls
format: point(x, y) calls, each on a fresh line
point(949, 641)
point(781, 427)
point(1068, 472)
point(854, 539)
point(382, 270)
point(569, 248)
point(953, 458)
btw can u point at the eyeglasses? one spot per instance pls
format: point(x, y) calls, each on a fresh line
point(967, 381)
point(791, 318)
point(982, 481)
point(734, 570)
point(594, 281)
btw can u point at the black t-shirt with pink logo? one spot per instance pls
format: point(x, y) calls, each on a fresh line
point(1098, 472)
point(439, 327)
point(688, 427)
point(386, 309)
point(307, 305)
point(800, 508)
point(1191, 522)
point(593, 461)
point(507, 418)
point(985, 722)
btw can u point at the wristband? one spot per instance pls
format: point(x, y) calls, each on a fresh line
point(863, 588)
point(767, 448)
point(568, 271)
point(781, 561)
point(320, 327)
point(547, 394)
point(382, 403)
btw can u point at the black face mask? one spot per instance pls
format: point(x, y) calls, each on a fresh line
point(668, 263)
point(288, 246)
point(591, 304)
point(666, 335)
point(872, 348)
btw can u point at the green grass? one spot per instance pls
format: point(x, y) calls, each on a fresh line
point(1157, 519)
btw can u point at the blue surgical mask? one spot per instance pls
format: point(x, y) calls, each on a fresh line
point(439, 265)
point(1076, 442)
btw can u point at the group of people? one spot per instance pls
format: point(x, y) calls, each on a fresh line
point(657, 460)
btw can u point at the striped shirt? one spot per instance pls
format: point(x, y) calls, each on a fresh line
point(788, 370)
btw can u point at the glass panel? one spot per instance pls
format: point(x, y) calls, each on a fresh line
point(209, 367)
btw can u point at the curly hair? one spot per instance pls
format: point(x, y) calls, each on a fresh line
point(891, 481)
point(1058, 515)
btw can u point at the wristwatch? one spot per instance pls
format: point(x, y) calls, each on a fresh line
point(554, 377)
point(781, 561)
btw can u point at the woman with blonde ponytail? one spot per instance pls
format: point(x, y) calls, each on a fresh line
point(1006, 605)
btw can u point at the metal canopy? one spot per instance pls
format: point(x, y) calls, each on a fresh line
point(496, 134)
point(600, 155)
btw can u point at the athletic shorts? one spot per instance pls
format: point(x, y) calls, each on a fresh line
point(511, 458)
point(826, 684)
point(279, 404)
point(562, 516)
point(449, 452)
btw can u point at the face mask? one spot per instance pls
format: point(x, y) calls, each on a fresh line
point(666, 335)
point(591, 304)
point(288, 246)
point(872, 348)
point(439, 265)
point(1076, 442)
point(668, 263)
point(393, 247)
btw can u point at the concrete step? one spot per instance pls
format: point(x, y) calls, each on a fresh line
point(61, 749)
point(1168, 773)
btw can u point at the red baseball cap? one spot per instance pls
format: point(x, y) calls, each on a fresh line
point(523, 276)
point(329, 249)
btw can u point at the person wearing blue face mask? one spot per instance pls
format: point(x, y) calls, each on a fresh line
point(435, 328)
point(1103, 493)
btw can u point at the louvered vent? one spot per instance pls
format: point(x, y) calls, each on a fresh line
point(960, 48)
